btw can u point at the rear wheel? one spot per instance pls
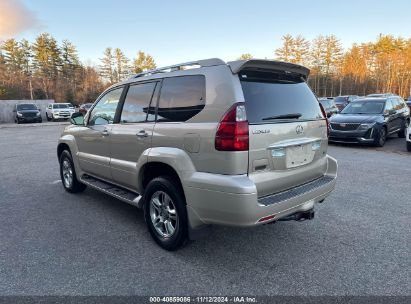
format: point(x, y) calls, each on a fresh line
point(68, 174)
point(381, 137)
point(165, 213)
point(401, 133)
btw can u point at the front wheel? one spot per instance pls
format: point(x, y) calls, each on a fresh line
point(47, 117)
point(381, 137)
point(165, 213)
point(68, 174)
point(408, 146)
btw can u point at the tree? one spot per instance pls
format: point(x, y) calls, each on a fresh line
point(121, 65)
point(143, 63)
point(246, 56)
point(107, 65)
point(46, 61)
point(284, 53)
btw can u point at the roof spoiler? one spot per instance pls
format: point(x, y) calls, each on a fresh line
point(261, 64)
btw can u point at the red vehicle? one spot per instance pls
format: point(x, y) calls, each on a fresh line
point(84, 108)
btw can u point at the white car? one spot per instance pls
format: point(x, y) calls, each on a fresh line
point(408, 138)
point(57, 111)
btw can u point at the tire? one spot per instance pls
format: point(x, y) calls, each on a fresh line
point(381, 137)
point(47, 117)
point(408, 146)
point(402, 133)
point(164, 204)
point(68, 177)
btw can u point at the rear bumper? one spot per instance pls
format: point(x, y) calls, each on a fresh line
point(239, 204)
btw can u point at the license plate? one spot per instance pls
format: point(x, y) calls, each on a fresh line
point(299, 155)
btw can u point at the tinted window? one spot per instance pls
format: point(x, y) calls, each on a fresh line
point(137, 102)
point(270, 95)
point(364, 107)
point(60, 106)
point(389, 105)
point(26, 107)
point(181, 98)
point(104, 111)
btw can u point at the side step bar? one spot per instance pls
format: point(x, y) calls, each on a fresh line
point(122, 194)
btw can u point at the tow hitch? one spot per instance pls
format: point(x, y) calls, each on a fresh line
point(299, 216)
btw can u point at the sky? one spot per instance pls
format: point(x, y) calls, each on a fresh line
point(178, 31)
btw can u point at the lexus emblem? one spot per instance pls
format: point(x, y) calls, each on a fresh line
point(299, 129)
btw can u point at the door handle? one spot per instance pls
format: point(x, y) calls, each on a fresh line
point(105, 132)
point(142, 133)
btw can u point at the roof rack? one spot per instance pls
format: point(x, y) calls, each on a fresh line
point(180, 66)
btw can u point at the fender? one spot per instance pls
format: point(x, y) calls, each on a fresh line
point(70, 141)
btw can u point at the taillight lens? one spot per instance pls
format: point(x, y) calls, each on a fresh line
point(326, 120)
point(232, 132)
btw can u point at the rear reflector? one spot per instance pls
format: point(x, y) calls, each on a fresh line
point(266, 218)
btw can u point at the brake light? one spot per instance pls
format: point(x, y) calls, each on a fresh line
point(326, 120)
point(232, 132)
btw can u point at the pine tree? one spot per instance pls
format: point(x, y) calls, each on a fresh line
point(121, 63)
point(143, 63)
point(107, 65)
point(246, 56)
point(284, 53)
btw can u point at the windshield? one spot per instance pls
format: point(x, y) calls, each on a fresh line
point(26, 107)
point(60, 106)
point(271, 98)
point(364, 107)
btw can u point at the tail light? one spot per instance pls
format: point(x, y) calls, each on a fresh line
point(232, 132)
point(326, 120)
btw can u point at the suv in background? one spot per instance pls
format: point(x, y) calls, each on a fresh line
point(342, 101)
point(329, 106)
point(57, 111)
point(370, 120)
point(204, 143)
point(26, 112)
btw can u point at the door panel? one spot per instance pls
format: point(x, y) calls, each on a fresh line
point(93, 142)
point(132, 135)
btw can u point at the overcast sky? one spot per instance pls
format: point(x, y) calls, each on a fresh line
point(178, 31)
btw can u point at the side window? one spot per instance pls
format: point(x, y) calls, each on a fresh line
point(388, 106)
point(137, 103)
point(104, 111)
point(181, 98)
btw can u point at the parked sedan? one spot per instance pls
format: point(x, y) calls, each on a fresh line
point(329, 106)
point(370, 120)
point(26, 112)
point(342, 101)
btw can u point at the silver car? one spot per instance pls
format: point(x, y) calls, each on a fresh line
point(204, 143)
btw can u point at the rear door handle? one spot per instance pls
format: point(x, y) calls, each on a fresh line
point(105, 132)
point(142, 133)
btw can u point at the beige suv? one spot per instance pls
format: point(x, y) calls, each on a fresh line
point(242, 143)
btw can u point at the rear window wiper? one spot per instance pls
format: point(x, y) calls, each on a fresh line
point(284, 116)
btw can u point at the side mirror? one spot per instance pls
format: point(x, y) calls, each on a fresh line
point(77, 119)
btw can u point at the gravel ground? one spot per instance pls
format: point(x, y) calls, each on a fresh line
point(56, 243)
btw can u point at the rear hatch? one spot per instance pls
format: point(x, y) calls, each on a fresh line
point(287, 131)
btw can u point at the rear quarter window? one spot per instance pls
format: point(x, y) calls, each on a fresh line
point(270, 94)
point(181, 98)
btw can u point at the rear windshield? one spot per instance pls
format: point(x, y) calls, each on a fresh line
point(26, 107)
point(271, 97)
